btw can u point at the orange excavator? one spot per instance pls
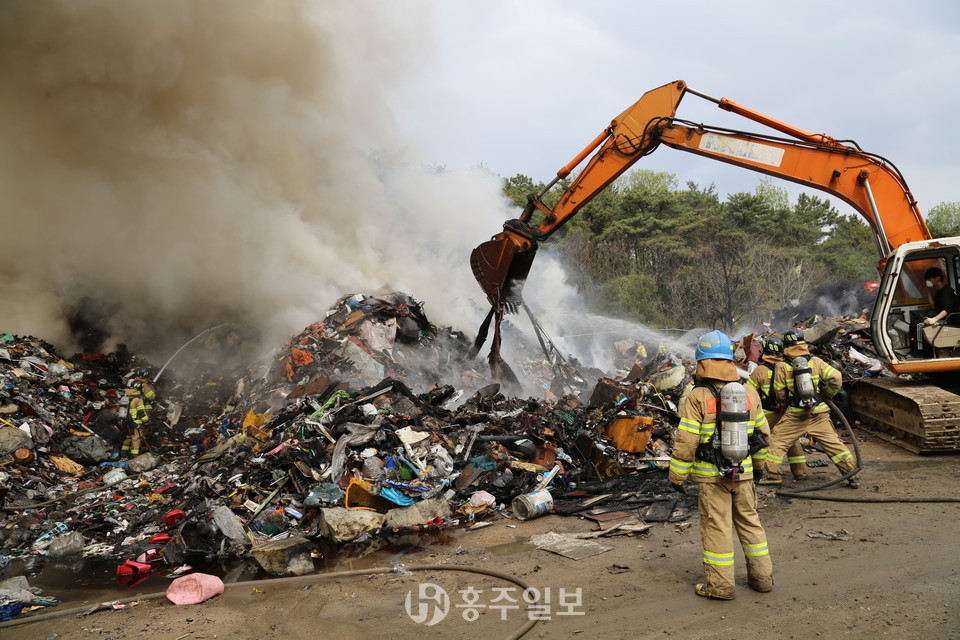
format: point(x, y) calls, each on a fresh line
point(923, 417)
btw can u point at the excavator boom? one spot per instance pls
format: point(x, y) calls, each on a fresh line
point(867, 182)
point(501, 264)
point(918, 414)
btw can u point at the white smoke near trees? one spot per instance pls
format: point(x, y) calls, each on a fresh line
point(185, 163)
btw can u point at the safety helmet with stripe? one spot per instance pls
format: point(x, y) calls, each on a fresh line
point(772, 346)
point(714, 345)
point(792, 338)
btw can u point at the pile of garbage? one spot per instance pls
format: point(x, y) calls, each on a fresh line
point(366, 424)
point(844, 341)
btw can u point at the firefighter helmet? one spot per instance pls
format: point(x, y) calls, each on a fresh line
point(792, 338)
point(773, 346)
point(714, 345)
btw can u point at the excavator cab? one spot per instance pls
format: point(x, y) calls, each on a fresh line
point(899, 334)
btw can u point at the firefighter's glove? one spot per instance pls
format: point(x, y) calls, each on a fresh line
point(704, 452)
point(758, 475)
point(678, 488)
point(756, 441)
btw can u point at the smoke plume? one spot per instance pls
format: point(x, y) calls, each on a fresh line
point(178, 164)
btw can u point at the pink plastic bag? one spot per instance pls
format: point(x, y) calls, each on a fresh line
point(194, 588)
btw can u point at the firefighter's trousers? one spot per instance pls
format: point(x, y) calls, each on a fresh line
point(132, 441)
point(818, 426)
point(796, 456)
point(722, 511)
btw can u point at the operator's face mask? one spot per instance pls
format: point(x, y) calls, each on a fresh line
point(929, 284)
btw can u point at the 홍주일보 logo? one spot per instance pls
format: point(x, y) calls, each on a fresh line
point(432, 604)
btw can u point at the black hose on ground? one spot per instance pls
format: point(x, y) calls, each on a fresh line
point(314, 577)
point(808, 492)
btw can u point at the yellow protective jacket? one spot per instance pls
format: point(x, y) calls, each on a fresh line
point(826, 380)
point(761, 379)
point(146, 391)
point(698, 420)
point(138, 411)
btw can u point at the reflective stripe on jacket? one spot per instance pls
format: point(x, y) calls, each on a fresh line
point(826, 380)
point(138, 412)
point(761, 379)
point(698, 417)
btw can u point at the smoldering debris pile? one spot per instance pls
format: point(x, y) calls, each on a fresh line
point(362, 426)
point(844, 341)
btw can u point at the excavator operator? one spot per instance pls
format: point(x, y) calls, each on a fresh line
point(942, 297)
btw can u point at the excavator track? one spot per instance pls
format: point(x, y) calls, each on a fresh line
point(920, 417)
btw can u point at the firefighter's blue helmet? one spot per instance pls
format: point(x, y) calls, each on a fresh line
point(714, 345)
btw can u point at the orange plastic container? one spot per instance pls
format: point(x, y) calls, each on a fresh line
point(630, 433)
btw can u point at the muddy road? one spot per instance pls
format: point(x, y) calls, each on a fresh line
point(897, 575)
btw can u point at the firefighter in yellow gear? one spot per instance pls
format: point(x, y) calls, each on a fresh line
point(727, 501)
point(801, 391)
point(137, 421)
point(641, 351)
point(147, 392)
point(761, 379)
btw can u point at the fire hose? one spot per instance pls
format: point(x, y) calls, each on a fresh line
point(809, 492)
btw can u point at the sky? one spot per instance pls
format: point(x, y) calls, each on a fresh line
point(522, 86)
point(171, 165)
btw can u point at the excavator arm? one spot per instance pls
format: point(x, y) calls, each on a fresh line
point(867, 182)
point(501, 264)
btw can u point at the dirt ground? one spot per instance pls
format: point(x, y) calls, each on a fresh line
point(899, 576)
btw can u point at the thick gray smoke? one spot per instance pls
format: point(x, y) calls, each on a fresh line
point(583, 333)
point(183, 164)
point(829, 300)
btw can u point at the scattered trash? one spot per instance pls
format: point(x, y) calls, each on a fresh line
point(567, 546)
point(840, 534)
point(369, 423)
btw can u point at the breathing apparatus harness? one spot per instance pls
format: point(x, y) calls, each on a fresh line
point(768, 400)
point(804, 394)
point(728, 451)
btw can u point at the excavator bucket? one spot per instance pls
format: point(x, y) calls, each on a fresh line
point(501, 270)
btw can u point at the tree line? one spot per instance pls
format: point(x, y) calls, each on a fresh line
point(648, 250)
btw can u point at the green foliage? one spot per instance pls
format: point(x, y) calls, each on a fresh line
point(647, 180)
point(518, 188)
point(849, 252)
point(651, 251)
point(633, 295)
point(944, 219)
